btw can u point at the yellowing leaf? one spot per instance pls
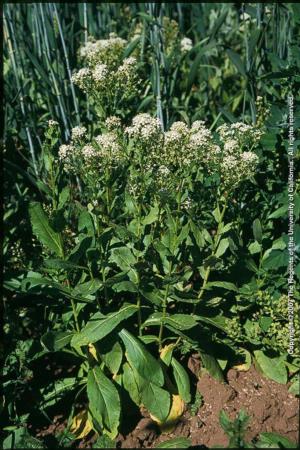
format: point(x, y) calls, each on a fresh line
point(81, 426)
point(176, 412)
point(246, 365)
point(93, 351)
point(166, 353)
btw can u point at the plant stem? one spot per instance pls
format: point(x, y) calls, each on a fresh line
point(164, 309)
point(214, 248)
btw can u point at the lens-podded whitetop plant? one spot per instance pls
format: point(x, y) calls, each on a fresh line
point(166, 156)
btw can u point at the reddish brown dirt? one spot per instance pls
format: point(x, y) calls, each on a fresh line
point(270, 406)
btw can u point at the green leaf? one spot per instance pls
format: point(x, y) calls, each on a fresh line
point(273, 368)
point(42, 229)
point(222, 284)
point(222, 247)
point(274, 440)
point(177, 321)
point(254, 248)
point(212, 366)
point(139, 358)
point(257, 230)
point(280, 212)
point(88, 288)
point(100, 325)
point(54, 341)
point(178, 442)
point(236, 60)
point(181, 321)
point(104, 401)
point(295, 385)
point(265, 322)
point(216, 321)
point(130, 383)
point(125, 260)
point(54, 391)
point(156, 400)
point(60, 264)
point(152, 216)
point(113, 358)
point(85, 223)
point(275, 259)
point(182, 380)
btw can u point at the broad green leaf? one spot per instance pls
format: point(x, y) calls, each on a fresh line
point(273, 368)
point(100, 325)
point(236, 60)
point(212, 366)
point(113, 358)
point(222, 247)
point(54, 341)
point(178, 442)
point(60, 264)
point(257, 230)
point(152, 216)
point(217, 214)
point(295, 385)
point(254, 248)
point(85, 223)
point(140, 359)
point(222, 284)
point(156, 400)
point(274, 440)
point(125, 260)
point(130, 383)
point(43, 231)
point(87, 288)
point(181, 321)
point(216, 321)
point(104, 401)
point(280, 212)
point(54, 391)
point(177, 321)
point(275, 259)
point(182, 380)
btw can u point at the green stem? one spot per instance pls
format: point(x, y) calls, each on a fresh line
point(214, 248)
point(164, 308)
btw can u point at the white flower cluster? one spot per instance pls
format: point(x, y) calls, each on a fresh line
point(186, 44)
point(78, 133)
point(106, 75)
point(113, 123)
point(145, 130)
point(245, 135)
point(52, 123)
point(67, 155)
point(108, 51)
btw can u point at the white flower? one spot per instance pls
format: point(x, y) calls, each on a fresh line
point(82, 78)
point(131, 61)
point(113, 122)
point(89, 153)
point(108, 142)
point(144, 128)
point(231, 146)
point(65, 151)
point(78, 133)
point(52, 123)
point(100, 73)
point(186, 44)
